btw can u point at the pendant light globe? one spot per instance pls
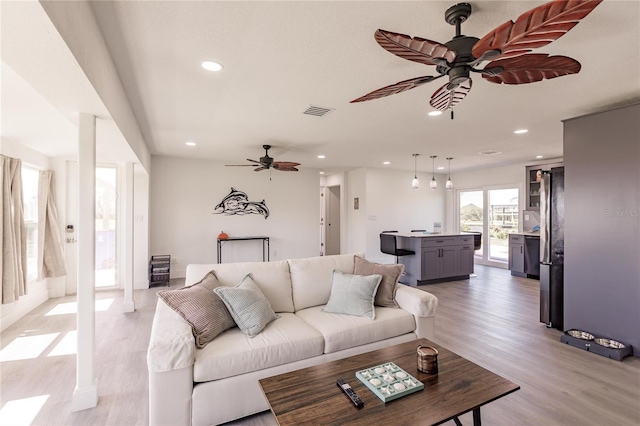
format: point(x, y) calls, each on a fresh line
point(415, 183)
point(433, 184)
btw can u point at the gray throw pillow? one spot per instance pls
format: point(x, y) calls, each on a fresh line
point(386, 294)
point(248, 306)
point(201, 308)
point(353, 294)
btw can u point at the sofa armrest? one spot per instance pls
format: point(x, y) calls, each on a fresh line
point(172, 345)
point(417, 302)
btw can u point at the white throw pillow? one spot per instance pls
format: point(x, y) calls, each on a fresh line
point(353, 294)
point(247, 305)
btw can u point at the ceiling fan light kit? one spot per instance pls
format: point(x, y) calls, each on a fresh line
point(507, 48)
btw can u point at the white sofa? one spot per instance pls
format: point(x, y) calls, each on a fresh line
point(219, 383)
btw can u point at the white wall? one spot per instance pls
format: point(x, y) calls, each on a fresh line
point(185, 192)
point(387, 202)
point(356, 219)
point(37, 291)
point(393, 205)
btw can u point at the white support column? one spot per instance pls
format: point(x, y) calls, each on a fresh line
point(128, 305)
point(85, 395)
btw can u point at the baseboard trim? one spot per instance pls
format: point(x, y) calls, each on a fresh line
point(84, 399)
point(128, 306)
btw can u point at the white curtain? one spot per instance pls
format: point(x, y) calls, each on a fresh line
point(51, 261)
point(13, 265)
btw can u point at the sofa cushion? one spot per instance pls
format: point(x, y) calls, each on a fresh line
point(201, 308)
point(286, 340)
point(386, 294)
point(272, 278)
point(311, 278)
point(247, 305)
point(348, 331)
point(353, 294)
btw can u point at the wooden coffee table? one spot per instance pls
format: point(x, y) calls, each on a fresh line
point(311, 395)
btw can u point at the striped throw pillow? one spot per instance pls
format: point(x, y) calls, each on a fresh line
point(200, 307)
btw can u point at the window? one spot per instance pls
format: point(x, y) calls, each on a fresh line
point(30, 194)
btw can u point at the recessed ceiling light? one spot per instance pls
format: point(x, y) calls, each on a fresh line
point(211, 66)
point(520, 131)
point(321, 156)
point(321, 173)
point(435, 113)
point(539, 156)
point(441, 168)
point(190, 144)
point(386, 163)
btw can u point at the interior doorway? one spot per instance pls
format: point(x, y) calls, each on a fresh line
point(332, 220)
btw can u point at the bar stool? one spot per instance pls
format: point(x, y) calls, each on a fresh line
point(388, 245)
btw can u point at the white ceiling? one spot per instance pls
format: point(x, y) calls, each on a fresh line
point(281, 57)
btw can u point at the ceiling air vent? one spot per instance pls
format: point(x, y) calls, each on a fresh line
point(318, 111)
point(489, 152)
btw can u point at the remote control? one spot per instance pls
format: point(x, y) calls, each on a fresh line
point(353, 396)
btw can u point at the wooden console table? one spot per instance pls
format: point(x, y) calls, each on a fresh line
point(265, 246)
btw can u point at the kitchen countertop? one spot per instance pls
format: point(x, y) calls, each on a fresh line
point(428, 234)
point(528, 234)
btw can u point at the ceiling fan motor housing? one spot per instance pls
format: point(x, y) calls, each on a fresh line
point(459, 69)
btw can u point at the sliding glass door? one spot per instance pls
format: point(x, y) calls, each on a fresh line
point(494, 212)
point(106, 222)
point(472, 214)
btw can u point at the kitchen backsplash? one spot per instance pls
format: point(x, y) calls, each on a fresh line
point(530, 219)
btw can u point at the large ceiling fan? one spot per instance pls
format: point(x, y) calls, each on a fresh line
point(507, 48)
point(267, 163)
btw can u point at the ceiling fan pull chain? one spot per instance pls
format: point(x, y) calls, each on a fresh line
point(452, 114)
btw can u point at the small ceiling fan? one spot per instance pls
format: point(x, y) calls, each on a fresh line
point(507, 48)
point(267, 163)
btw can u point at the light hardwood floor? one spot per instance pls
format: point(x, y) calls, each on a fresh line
point(491, 319)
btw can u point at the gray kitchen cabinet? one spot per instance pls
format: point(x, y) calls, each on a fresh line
point(465, 260)
point(441, 258)
point(532, 186)
point(516, 255)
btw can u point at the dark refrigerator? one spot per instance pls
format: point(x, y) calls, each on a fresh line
point(552, 247)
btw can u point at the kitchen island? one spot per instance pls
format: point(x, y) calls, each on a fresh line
point(438, 258)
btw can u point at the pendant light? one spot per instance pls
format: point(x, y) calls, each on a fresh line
point(433, 184)
point(449, 184)
point(415, 184)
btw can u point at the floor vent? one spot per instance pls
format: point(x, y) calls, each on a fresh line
point(489, 152)
point(318, 111)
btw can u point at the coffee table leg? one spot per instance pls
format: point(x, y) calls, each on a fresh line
point(476, 417)
point(457, 421)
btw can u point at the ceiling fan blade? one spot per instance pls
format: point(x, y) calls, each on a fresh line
point(414, 49)
point(401, 86)
point(531, 68)
point(286, 169)
point(534, 28)
point(446, 97)
point(260, 168)
point(239, 165)
point(254, 161)
point(279, 165)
